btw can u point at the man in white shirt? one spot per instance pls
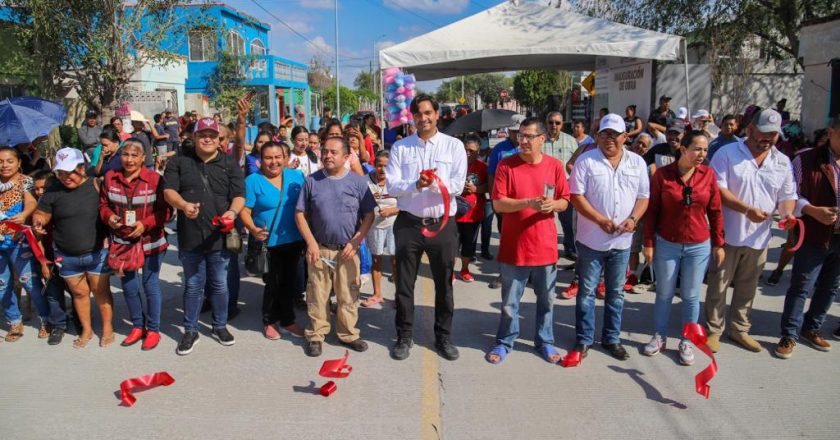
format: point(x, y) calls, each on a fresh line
point(610, 190)
point(419, 200)
point(562, 146)
point(754, 179)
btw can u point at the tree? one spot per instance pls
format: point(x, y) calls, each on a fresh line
point(485, 85)
point(775, 22)
point(363, 81)
point(226, 83)
point(349, 100)
point(96, 45)
point(533, 87)
point(320, 75)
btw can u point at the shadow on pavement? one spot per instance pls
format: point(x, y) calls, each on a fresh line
point(650, 391)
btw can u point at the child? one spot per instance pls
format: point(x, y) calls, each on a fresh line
point(380, 238)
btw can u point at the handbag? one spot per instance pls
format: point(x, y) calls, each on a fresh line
point(463, 205)
point(125, 256)
point(233, 241)
point(256, 260)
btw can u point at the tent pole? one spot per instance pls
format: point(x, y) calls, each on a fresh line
point(687, 86)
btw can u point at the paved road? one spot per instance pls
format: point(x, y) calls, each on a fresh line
point(260, 388)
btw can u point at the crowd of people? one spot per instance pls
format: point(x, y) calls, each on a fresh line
point(666, 205)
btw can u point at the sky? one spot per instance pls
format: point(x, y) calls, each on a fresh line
point(362, 23)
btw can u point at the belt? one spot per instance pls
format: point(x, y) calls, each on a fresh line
point(425, 221)
point(333, 247)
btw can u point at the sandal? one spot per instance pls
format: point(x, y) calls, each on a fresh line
point(547, 351)
point(107, 340)
point(81, 342)
point(372, 301)
point(43, 332)
point(15, 332)
point(499, 351)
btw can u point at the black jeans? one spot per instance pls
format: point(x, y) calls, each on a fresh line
point(468, 236)
point(279, 295)
point(441, 251)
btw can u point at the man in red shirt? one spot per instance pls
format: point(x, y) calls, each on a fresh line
point(529, 188)
point(474, 192)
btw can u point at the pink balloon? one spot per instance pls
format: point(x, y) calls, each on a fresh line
point(404, 119)
point(408, 94)
point(389, 79)
point(392, 71)
point(404, 112)
point(401, 90)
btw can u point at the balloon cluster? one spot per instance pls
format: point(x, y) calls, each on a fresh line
point(399, 91)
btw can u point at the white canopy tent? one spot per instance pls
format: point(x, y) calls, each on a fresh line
point(526, 36)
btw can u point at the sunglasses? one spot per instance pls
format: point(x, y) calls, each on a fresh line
point(555, 123)
point(687, 191)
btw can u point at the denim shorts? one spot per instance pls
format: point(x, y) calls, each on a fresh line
point(94, 263)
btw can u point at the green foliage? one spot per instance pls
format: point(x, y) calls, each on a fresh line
point(69, 136)
point(349, 99)
point(533, 87)
point(485, 85)
point(225, 85)
point(363, 81)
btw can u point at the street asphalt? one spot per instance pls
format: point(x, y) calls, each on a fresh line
point(260, 388)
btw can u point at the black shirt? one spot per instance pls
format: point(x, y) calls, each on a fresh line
point(663, 119)
point(224, 177)
point(75, 217)
point(665, 154)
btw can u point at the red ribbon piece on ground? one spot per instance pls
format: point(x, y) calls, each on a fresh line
point(336, 367)
point(328, 388)
point(784, 224)
point(30, 238)
point(572, 359)
point(444, 195)
point(696, 333)
point(223, 223)
point(147, 381)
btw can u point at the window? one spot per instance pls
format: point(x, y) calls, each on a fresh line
point(202, 45)
point(235, 44)
point(257, 47)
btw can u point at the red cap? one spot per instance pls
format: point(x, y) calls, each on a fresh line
point(206, 124)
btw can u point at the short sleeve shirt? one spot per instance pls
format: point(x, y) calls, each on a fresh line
point(612, 192)
point(500, 151)
point(75, 217)
point(263, 198)
point(334, 205)
point(763, 187)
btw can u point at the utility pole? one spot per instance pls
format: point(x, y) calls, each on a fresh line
point(337, 85)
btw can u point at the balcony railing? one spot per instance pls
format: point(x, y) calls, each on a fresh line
point(270, 67)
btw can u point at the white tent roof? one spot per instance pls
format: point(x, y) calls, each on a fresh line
point(527, 36)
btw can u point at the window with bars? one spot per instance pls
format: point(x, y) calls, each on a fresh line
point(202, 45)
point(257, 47)
point(235, 44)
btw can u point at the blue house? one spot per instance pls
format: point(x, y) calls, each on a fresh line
point(281, 84)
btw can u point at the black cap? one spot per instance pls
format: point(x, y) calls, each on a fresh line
point(91, 114)
point(665, 98)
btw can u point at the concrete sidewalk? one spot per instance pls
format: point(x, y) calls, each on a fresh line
point(259, 388)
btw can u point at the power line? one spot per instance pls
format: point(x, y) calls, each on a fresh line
point(279, 20)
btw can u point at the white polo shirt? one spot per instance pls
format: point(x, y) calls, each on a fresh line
point(612, 192)
point(763, 187)
point(410, 156)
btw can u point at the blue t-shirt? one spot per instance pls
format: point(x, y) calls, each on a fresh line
point(262, 197)
point(500, 151)
point(334, 205)
point(719, 142)
point(252, 164)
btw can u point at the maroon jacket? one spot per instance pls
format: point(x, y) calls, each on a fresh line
point(816, 183)
point(146, 196)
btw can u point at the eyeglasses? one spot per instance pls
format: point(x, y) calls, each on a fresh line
point(610, 134)
point(529, 137)
point(555, 123)
point(687, 191)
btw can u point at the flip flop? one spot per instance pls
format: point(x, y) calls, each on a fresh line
point(547, 351)
point(372, 301)
point(500, 351)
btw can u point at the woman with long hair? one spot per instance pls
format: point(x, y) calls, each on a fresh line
point(301, 157)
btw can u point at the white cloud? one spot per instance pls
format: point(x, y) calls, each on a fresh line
point(320, 46)
point(433, 6)
point(410, 30)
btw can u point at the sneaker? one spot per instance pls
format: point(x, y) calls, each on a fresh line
point(815, 340)
point(601, 291)
point(686, 353)
point(656, 344)
point(402, 348)
point(151, 341)
point(223, 336)
point(570, 291)
point(487, 255)
point(56, 335)
point(465, 277)
point(784, 350)
point(292, 330)
point(836, 333)
point(187, 343)
point(356, 345)
point(313, 348)
point(630, 282)
point(496, 283)
point(270, 332)
point(774, 278)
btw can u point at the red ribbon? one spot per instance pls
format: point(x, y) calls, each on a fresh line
point(696, 333)
point(223, 223)
point(30, 238)
point(336, 367)
point(147, 381)
point(572, 359)
point(784, 223)
point(328, 388)
point(444, 195)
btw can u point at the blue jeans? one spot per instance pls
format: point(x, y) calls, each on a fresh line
point(514, 280)
point(487, 227)
point(814, 269)
point(588, 269)
point(18, 261)
point(202, 268)
point(689, 262)
point(566, 222)
point(54, 291)
point(150, 275)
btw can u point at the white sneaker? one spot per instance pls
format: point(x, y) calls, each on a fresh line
point(656, 344)
point(686, 353)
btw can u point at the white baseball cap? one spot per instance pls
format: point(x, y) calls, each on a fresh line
point(701, 114)
point(516, 120)
point(68, 159)
point(769, 121)
point(612, 122)
point(682, 113)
